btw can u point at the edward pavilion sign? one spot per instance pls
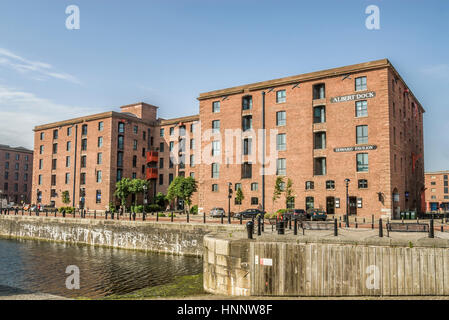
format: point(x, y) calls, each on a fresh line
point(353, 97)
point(356, 148)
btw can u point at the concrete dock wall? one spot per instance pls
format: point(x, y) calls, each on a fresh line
point(163, 237)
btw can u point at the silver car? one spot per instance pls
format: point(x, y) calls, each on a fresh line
point(217, 213)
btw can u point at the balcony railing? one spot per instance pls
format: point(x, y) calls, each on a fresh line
point(152, 173)
point(152, 156)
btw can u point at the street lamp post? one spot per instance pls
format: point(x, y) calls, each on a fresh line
point(1, 200)
point(347, 202)
point(144, 200)
point(229, 201)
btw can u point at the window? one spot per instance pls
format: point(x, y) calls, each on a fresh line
point(69, 131)
point(170, 163)
point(41, 164)
point(41, 149)
point(192, 144)
point(119, 174)
point(319, 114)
point(98, 197)
point(319, 140)
point(310, 203)
point(100, 126)
point(362, 134)
point(135, 145)
point(69, 145)
point(215, 187)
point(7, 165)
point(100, 142)
point(172, 131)
point(67, 162)
point(135, 129)
point(42, 135)
point(121, 127)
point(26, 158)
point(161, 132)
point(84, 144)
point(67, 178)
point(254, 201)
point(26, 167)
point(247, 169)
point(361, 108)
point(446, 190)
point(216, 148)
point(83, 161)
point(161, 147)
point(281, 142)
point(161, 163)
point(309, 185)
point(362, 162)
point(53, 164)
point(192, 175)
point(143, 152)
point(291, 203)
point(39, 180)
point(360, 83)
point(445, 177)
point(172, 145)
point(215, 126)
point(281, 96)
point(237, 202)
point(319, 167)
point(281, 167)
point(161, 179)
point(215, 170)
point(99, 158)
point(182, 131)
point(119, 159)
point(247, 123)
point(144, 135)
point(6, 175)
point(238, 186)
point(134, 161)
point(120, 142)
point(170, 178)
point(55, 134)
point(247, 146)
point(84, 130)
point(319, 91)
point(193, 127)
point(254, 186)
point(330, 184)
point(363, 184)
point(216, 106)
point(247, 102)
point(53, 179)
point(25, 177)
point(16, 187)
point(16, 166)
point(17, 157)
point(5, 186)
point(25, 188)
point(192, 161)
point(16, 176)
point(281, 118)
point(55, 148)
point(99, 176)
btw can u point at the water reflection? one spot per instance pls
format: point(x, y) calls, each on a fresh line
point(40, 266)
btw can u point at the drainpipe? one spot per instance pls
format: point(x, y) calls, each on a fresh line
point(74, 166)
point(263, 151)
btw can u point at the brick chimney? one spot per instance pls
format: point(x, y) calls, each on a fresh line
point(142, 110)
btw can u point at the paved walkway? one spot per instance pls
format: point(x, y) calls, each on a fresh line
point(9, 293)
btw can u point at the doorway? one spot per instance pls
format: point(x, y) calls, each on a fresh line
point(353, 205)
point(330, 205)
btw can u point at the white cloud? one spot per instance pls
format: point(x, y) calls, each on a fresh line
point(39, 70)
point(21, 111)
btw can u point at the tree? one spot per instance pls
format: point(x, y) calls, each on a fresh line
point(66, 197)
point(122, 190)
point(289, 196)
point(239, 197)
point(136, 186)
point(160, 200)
point(182, 188)
point(277, 189)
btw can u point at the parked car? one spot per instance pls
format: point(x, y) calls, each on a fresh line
point(299, 214)
point(249, 214)
point(316, 214)
point(217, 213)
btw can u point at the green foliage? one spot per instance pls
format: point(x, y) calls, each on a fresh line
point(289, 193)
point(182, 188)
point(194, 209)
point(160, 200)
point(281, 212)
point(68, 210)
point(160, 214)
point(152, 208)
point(239, 196)
point(137, 186)
point(65, 197)
point(111, 207)
point(122, 190)
point(277, 189)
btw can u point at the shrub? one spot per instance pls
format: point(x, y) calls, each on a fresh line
point(68, 210)
point(194, 209)
point(160, 214)
point(138, 209)
point(152, 208)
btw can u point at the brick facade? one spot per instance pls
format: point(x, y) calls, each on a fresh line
point(437, 191)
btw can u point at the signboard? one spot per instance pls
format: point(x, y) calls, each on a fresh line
point(356, 148)
point(353, 97)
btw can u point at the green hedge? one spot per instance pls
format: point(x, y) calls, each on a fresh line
point(69, 210)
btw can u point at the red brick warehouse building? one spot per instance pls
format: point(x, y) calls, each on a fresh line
point(87, 156)
point(437, 191)
point(359, 122)
point(16, 172)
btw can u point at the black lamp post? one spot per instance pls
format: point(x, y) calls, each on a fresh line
point(347, 202)
point(144, 200)
point(229, 201)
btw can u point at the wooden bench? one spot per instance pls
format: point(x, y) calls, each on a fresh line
point(407, 227)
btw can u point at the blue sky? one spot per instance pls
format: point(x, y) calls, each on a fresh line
point(167, 52)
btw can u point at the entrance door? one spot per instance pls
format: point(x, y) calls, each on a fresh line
point(330, 205)
point(353, 205)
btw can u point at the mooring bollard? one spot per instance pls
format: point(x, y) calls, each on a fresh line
point(241, 218)
point(204, 217)
point(295, 226)
point(250, 229)
point(289, 223)
point(381, 231)
point(442, 229)
point(222, 217)
point(134, 216)
point(55, 212)
point(188, 217)
point(372, 221)
point(157, 216)
point(431, 230)
point(95, 214)
point(172, 216)
point(46, 212)
point(259, 229)
point(280, 227)
point(335, 228)
point(263, 223)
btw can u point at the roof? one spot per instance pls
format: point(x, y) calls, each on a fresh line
point(317, 75)
point(437, 172)
point(16, 149)
point(192, 118)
